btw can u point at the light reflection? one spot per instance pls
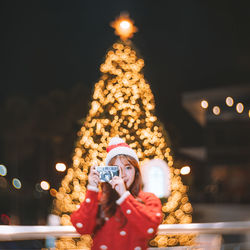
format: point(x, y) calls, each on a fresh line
point(53, 192)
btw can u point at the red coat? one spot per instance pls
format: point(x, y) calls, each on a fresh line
point(142, 221)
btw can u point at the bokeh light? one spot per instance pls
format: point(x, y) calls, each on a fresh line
point(124, 27)
point(229, 101)
point(185, 170)
point(239, 107)
point(60, 167)
point(45, 185)
point(204, 104)
point(125, 24)
point(3, 170)
point(16, 183)
point(53, 192)
point(216, 110)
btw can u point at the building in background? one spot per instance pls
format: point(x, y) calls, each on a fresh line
point(222, 164)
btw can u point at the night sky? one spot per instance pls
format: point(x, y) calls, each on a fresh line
point(186, 45)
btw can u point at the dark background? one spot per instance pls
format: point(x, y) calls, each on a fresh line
point(50, 53)
point(187, 45)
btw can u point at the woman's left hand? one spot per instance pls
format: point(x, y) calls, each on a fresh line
point(118, 184)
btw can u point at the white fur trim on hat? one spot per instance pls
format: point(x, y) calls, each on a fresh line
point(119, 150)
point(116, 140)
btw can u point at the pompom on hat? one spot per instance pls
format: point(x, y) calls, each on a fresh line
point(118, 146)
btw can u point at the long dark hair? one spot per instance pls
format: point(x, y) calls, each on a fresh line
point(107, 204)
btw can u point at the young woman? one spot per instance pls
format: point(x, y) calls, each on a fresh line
point(121, 216)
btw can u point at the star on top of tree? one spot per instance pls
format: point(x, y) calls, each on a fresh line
point(124, 26)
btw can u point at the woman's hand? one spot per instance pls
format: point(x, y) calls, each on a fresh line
point(94, 177)
point(118, 184)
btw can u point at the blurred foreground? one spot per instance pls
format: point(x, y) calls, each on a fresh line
point(209, 236)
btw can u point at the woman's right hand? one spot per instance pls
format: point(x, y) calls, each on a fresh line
point(94, 177)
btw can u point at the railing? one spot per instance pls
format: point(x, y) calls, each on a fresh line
point(12, 233)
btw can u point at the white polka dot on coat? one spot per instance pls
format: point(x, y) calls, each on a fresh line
point(150, 230)
point(128, 211)
point(88, 200)
point(79, 224)
point(158, 214)
point(122, 233)
point(103, 247)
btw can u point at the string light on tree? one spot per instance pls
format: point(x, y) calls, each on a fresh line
point(122, 105)
point(53, 192)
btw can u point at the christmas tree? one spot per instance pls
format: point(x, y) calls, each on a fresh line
point(122, 105)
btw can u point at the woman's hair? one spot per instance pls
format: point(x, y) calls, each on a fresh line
point(107, 204)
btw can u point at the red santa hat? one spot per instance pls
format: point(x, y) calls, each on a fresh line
point(117, 146)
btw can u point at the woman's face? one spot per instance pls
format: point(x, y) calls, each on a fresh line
point(127, 171)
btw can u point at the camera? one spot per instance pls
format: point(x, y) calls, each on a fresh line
point(107, 172)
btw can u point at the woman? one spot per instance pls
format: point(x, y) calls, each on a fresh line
point(121, 216)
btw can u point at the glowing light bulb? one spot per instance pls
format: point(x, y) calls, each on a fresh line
point(3, 170)
point(239, 107)
point(45, 185)
point(60, 167)
point(204, 104)
point(229, 101)
point(216, 110)
point(125, 24)
point(185, 170)
point(16, 183)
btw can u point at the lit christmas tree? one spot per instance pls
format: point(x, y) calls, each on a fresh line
point(122, 105)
